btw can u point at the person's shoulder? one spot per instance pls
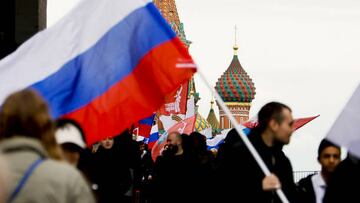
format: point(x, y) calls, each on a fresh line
point(306, 180)
point(281, 154)
point(59, 170)
point(64, 177)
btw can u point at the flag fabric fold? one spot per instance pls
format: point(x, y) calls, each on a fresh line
point(106, 65)
point(346, 129)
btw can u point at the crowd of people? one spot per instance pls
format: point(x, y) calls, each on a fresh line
point(47, 161)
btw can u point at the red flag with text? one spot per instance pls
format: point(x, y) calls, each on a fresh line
point(175, 103)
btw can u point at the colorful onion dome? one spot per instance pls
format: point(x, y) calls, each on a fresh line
point(235, 85)
point(201, 123)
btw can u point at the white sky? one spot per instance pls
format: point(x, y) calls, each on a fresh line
point(302, 53)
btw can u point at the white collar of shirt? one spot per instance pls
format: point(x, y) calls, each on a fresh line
point(319, 186)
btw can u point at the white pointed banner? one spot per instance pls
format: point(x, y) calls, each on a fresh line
point(346, 129)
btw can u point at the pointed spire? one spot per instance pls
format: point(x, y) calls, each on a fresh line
point(211, 118)
point(212, 102)
point(235, 46)
point(191, 93)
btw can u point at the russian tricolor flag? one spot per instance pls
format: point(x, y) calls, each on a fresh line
point(107, 64)
point(154, 136)
point(143, 127)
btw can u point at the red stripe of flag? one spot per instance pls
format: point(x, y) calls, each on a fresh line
point(138, 95)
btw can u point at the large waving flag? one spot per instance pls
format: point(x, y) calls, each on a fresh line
point(107, 64)
point(346, 129)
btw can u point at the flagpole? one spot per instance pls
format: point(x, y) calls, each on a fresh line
point(234, 123)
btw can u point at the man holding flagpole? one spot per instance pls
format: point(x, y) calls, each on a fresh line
point(241, 177)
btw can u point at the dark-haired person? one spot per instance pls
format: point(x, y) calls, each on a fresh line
point(172, 172)
point(112, 168)
point(312, 188)
point(241, 178)
point(29, 146)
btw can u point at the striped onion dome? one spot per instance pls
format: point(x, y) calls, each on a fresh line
point(235, 85)
point(201, 123)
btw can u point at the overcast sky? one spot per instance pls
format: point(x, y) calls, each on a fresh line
point(302, 53)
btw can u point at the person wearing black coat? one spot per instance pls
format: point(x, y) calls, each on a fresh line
point(172, 176)
point(343, 185)
point(311, 189)
point(240, 177)
point(146, 173)
point(203, 167)
point(112, 169)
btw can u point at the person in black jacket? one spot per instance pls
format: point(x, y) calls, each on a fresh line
point(146, 172)
point(203, 165)
point(342, 186)
point(172, 177)
point(312, 188)
point(113, 168)
point(241, 179)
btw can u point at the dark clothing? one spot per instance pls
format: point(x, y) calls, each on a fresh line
point(146, 167)
point(110, 170)
point(306, 191)
point(173, 179)
point(202, 176)
point(146, 170)
point(240, 177)
point(342, 186)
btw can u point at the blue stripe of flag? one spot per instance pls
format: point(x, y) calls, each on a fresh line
point(147, 121)
point(109, 61)
point(154, 137)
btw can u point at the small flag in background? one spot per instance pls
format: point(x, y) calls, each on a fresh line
point(175, 103)
point(143, 127)
point(106, 65)
point(185, 126)
point(247, 126)
point(154, 136)
point(298, 122)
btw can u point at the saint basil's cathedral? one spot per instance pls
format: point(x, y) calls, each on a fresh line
point(235, 86)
